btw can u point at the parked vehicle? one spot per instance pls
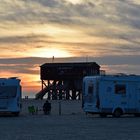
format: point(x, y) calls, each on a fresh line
point(10, 95)
point(116, 95)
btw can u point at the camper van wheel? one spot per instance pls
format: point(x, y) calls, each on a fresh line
point(137, 114)
point(16, 114)
point(117, 113)
point(103, 115)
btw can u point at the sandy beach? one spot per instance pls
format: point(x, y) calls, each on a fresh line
point(72, 124)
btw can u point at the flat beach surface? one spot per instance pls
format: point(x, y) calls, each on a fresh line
point(72, 124)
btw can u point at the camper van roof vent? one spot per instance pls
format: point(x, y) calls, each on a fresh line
point(121, 74)
point(132, 75)
point(12, 77)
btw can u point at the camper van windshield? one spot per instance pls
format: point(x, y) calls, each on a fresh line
point(8, 91)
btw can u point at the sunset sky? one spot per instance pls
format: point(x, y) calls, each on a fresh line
point(33, 31)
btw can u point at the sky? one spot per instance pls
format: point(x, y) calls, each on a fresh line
point(33, 31)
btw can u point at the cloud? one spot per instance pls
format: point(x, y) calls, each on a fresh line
point(20, 69)
point(23, 60)
point(43, 11)
point(100, 15)
point(21, 65)
point(118, 60)
point(111, 26)
point(110, 59)
point(23, 39)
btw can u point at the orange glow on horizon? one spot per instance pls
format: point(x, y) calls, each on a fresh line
point(30, 82)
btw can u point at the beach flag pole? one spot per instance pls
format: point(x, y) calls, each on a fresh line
point(59, 107)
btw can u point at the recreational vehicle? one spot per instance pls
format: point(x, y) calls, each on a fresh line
point(115, 95)
point(10, 96)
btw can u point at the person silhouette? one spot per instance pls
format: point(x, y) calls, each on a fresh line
point(47, 107)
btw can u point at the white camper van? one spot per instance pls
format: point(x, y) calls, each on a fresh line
point(116, 95)
point(10, 95)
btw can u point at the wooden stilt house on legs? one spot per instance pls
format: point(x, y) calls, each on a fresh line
point(64, 80)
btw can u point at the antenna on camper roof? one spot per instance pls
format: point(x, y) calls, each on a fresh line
point(121, 74)
point(52, 59)
point(12, 77)
point(86, 58)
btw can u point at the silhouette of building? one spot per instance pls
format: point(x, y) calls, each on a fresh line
point(64, 80)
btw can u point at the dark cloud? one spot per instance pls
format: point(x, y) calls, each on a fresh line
point(48, 3)
point(30, 65)
point(23, 39)
point(24, 60)
point(118, 60)
point(20, 69)
point(110, 59)
point(27, 65)
point(55, 11)
point(129, 13)
point(90, 13)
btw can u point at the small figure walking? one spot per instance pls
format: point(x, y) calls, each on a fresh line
point(47, 108)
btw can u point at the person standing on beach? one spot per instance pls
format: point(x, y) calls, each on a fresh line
point(47, 108)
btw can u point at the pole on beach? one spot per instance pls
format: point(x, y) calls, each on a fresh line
point(59, 107)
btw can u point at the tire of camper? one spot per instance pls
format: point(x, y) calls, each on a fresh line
point(16, 114)
point(117, 112)
point(137, 114)
point(103, 115)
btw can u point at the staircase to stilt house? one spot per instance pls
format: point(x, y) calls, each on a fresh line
point(41, 93)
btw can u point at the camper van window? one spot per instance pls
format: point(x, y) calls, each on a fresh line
point(8, 91)
point(120, 89)
point(90, 89)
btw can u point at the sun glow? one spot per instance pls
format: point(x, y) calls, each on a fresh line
point(75, 1)
point(52, 52)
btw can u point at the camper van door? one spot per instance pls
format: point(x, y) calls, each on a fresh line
point(138, 97)
point(132, 98)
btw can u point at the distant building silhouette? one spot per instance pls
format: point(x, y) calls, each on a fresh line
point(64, 80)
